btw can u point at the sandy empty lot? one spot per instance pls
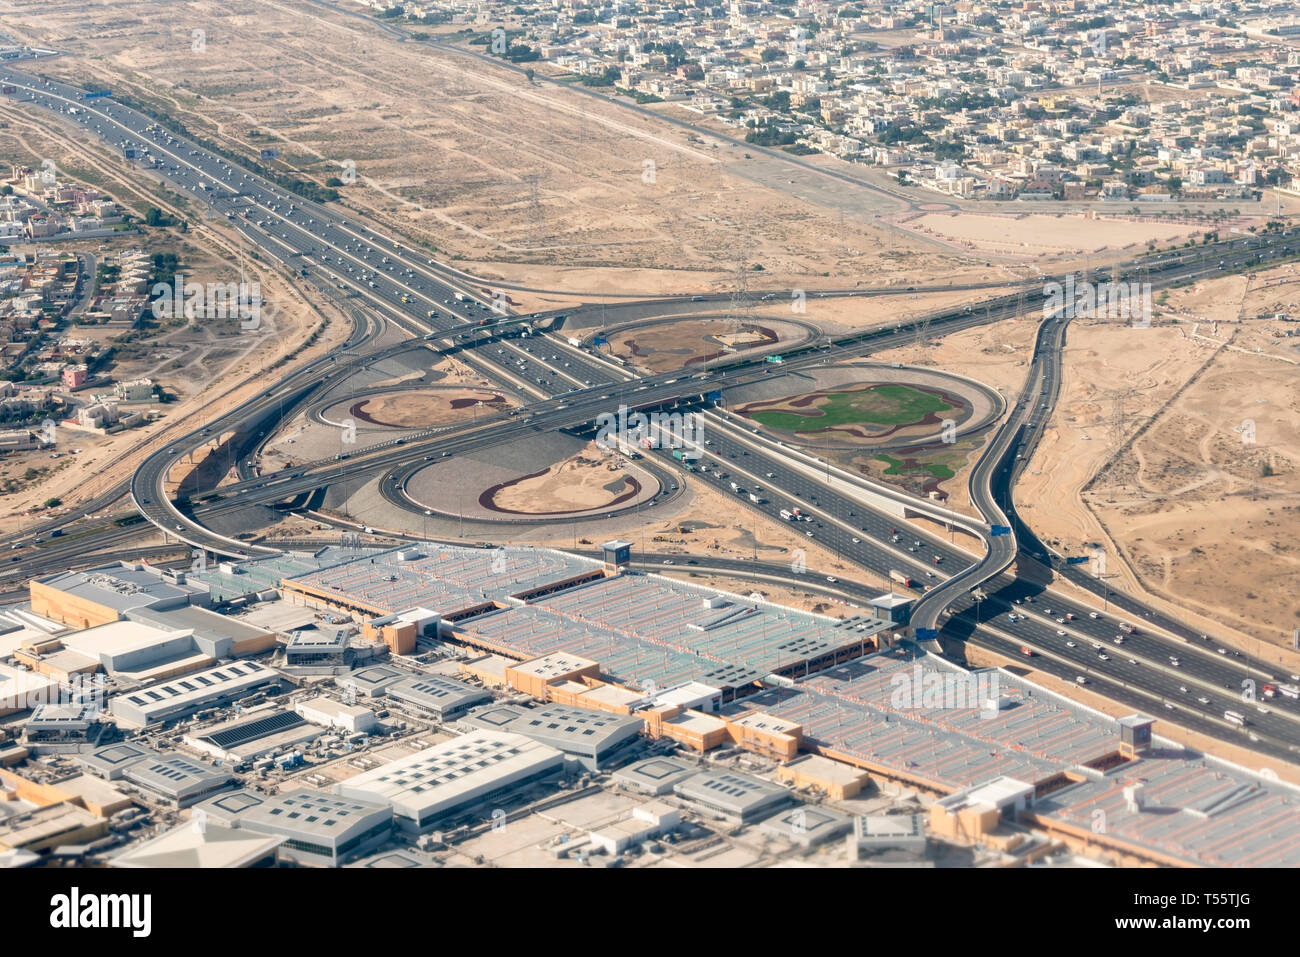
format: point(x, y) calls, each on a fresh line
point(423, 410)
point(1030, 234)
point(661, 347)
point(1180, 455)
point(577, 484)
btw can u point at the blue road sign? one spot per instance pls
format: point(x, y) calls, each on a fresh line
point(999, 530)
point(91, 96)
point(1077, 560)
point(927, 634)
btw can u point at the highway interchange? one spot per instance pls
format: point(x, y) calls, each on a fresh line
point(561, 386)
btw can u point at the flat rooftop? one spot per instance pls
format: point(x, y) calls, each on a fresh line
point(850, 710)
point(640, 628)
point(114, 638)
point(174, 776)
point(436, 693)
point(737, 795)
point(646, 629)
point(441, 578)
point(575, 730)
point(63, 717)
point(43, 824)
point(807, 824)
point(122, 587)
point(112, 760)
point(227, 581)
point(654, 775)
point(256, 734)
point(201, 621)
point(453, 774)
point(161, 700)
point(374, 679)
point(1197, 809)
point(278, 616)
point(299, 813)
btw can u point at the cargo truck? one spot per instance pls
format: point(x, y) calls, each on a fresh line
point(902, 579)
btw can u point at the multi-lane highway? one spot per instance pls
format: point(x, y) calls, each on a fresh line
point(995, 475)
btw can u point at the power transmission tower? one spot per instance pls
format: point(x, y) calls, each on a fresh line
point(534, 203)
point(923, 333)
point(741, 308)
point(1118, 415)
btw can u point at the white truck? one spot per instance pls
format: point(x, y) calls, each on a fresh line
point(786, 516)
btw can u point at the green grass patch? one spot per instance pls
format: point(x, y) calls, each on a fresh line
point(899, 467)
point(880, 405)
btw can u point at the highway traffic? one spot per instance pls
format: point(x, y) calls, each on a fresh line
point(563, 386)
